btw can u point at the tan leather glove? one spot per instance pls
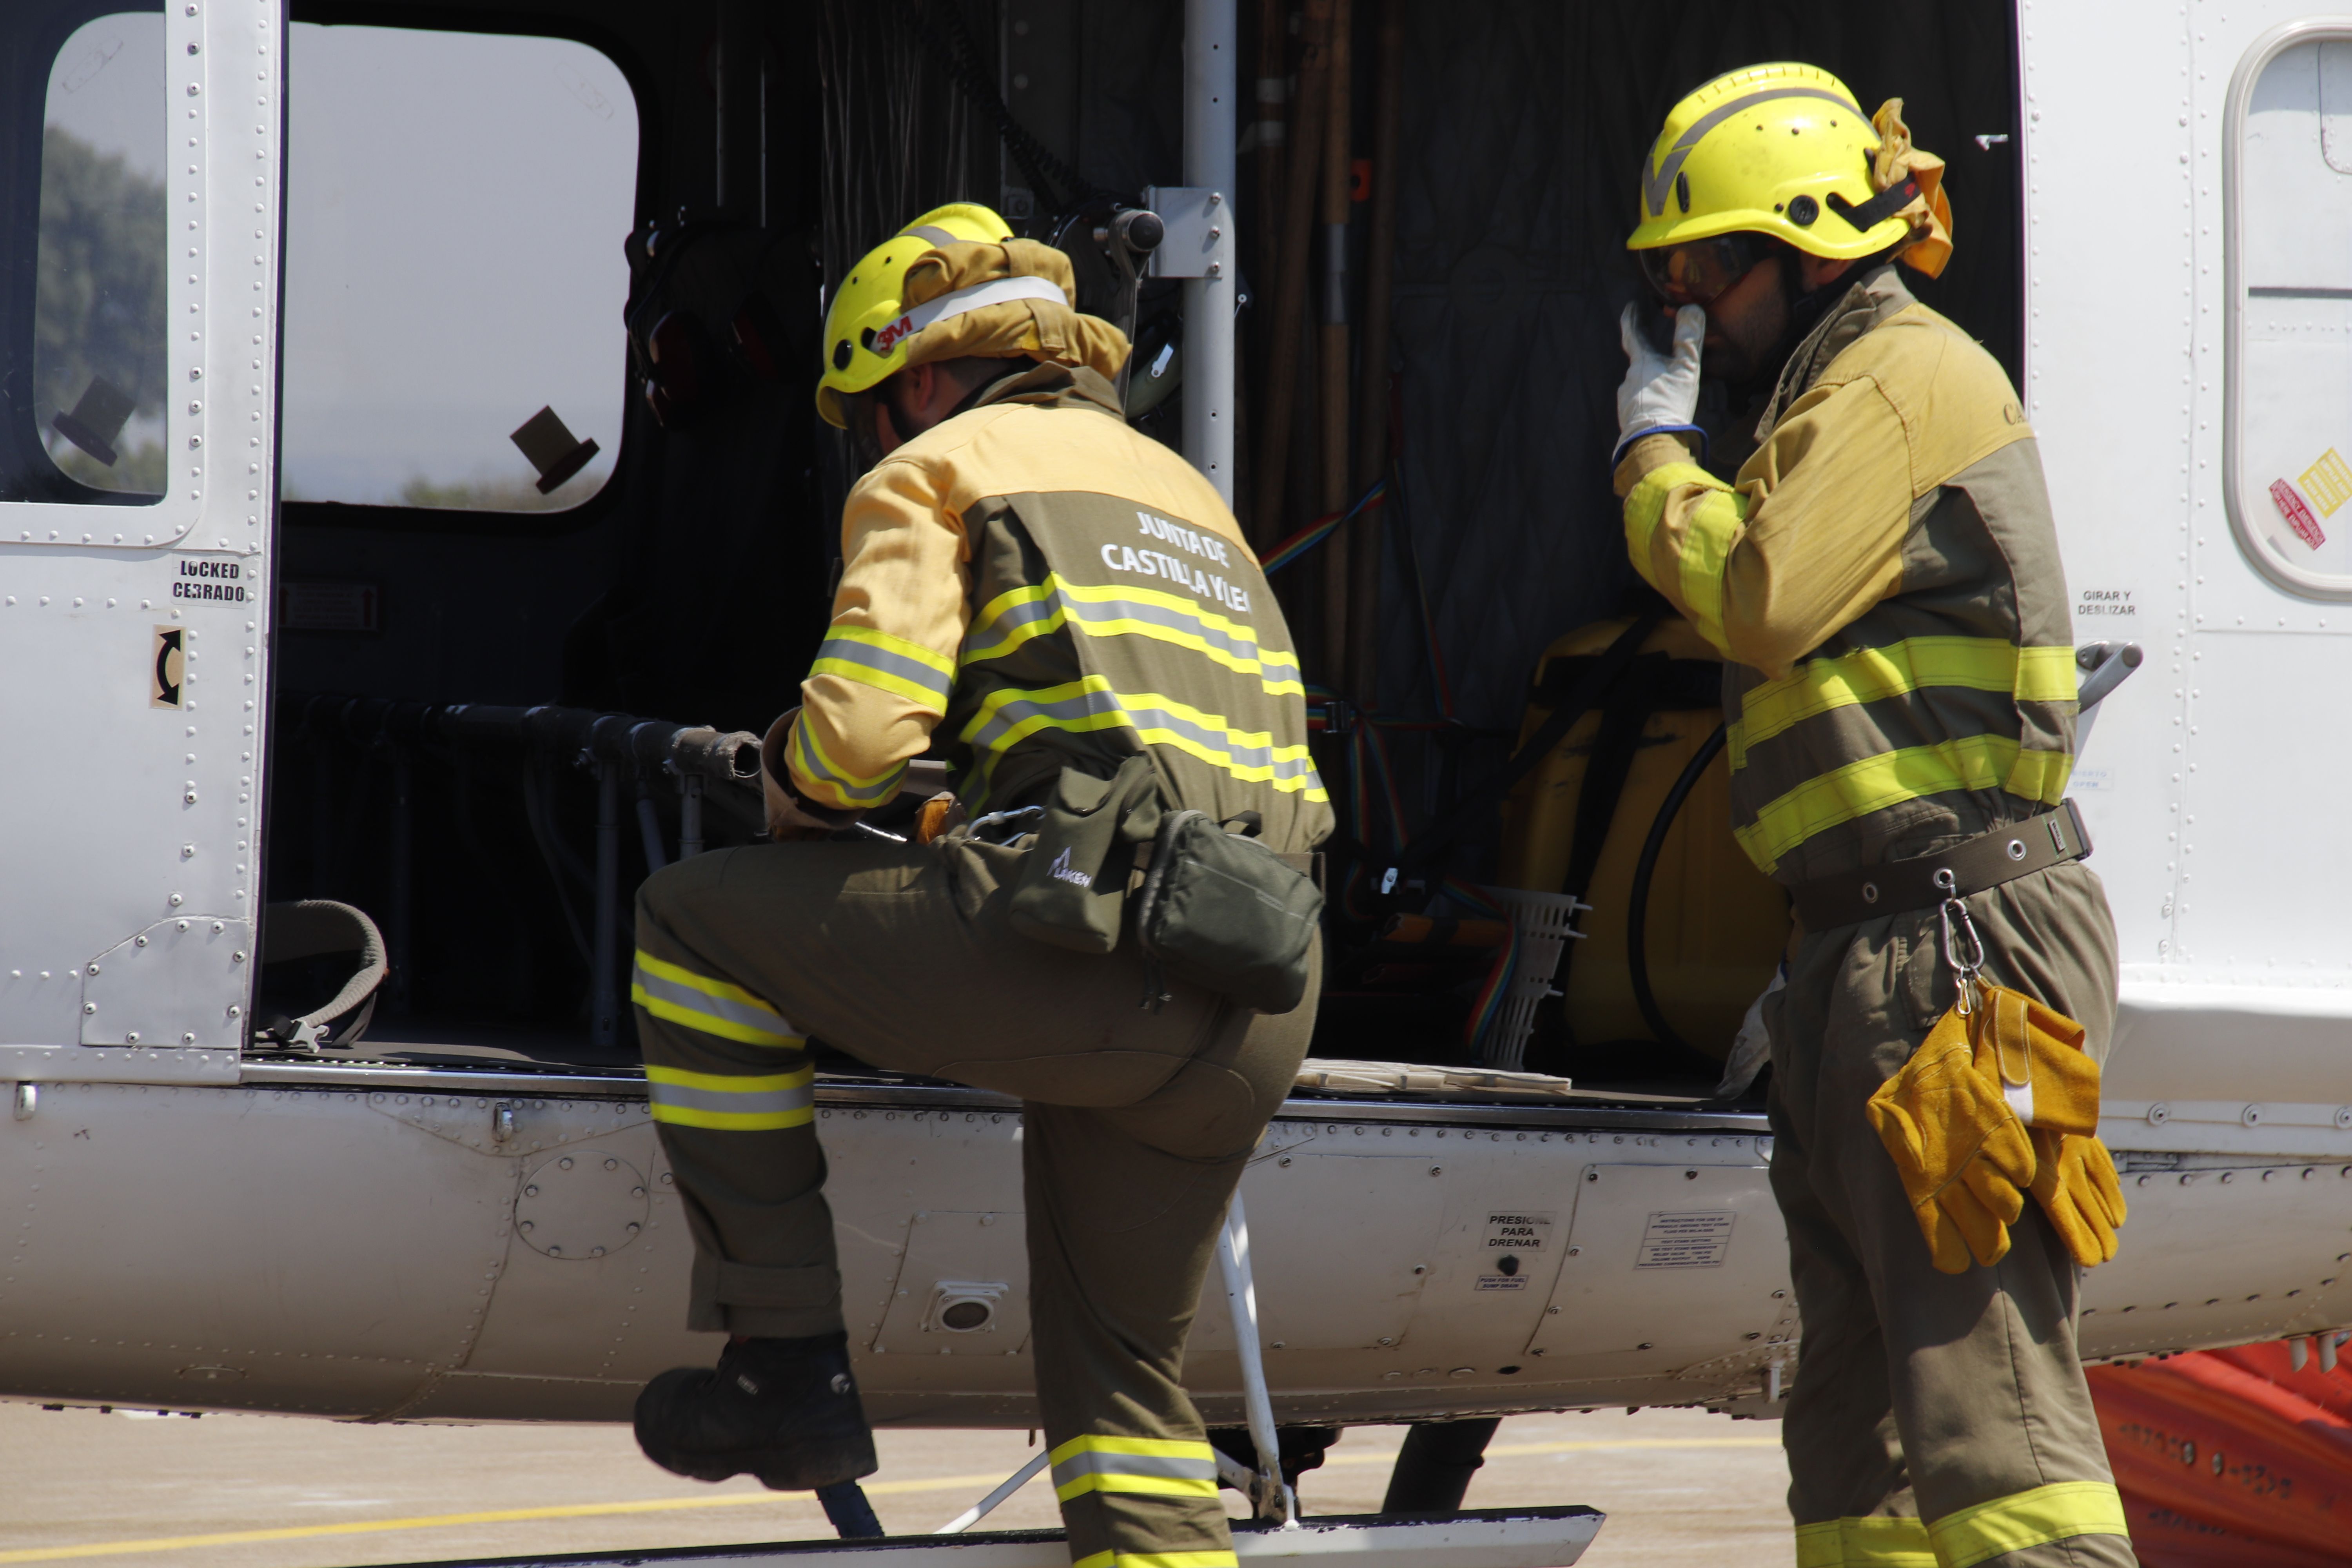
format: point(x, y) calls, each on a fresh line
point(2076, 1186)
point(2036, 1056)
point(936, 816)
point(1962, 1153)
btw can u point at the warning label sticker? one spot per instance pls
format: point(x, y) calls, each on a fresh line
point(1514, 1240)
point(216, 581)
point(1699, 1239)
point(2297, 513)
point(2328, 482)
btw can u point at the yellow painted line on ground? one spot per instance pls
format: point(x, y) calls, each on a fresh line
point(1523, 1450)
point(729, 1500)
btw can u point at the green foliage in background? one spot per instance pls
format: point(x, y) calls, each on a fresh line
point(498, 495)
point(98, 305)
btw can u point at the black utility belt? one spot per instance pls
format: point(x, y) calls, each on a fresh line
point(1970, 867)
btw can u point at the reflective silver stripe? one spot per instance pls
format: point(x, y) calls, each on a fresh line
point(1002, 292)
point(1096, 612)
point(995, 624)
point(725, 1008)
point(997, 628)
point(1163, 1466)
point(813, 761)
point(1656, 184)
point(931, 232)
point(1069, 711)
point(844, 650)
point(740, 1102)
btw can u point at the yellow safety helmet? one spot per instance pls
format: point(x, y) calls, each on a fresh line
point(1780, 150)
point(865, 330)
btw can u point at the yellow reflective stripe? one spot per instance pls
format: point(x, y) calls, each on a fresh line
point(1645, 506)
point(746, 1103)
point(824, 779)
point(1895, 669)
point(2041, 775)
point(733, 1120)
point(1165, 1467)
point(1010, 715)
point(731, 1083)
point(1164, 617)
point(725, 1029)
point(1149, 613)
point(2046, 675)
point(1162, 1486)
point(2025, 1519)
point(1151, 1447)
point(1158, 1560)
point(940, 663)
point(679, 995)
point(887, 663)
point(1864, 1544)
point(1873, 784)
point(680, 975)
point(1716, 520)
point(1154, 1447)
point(992, 615)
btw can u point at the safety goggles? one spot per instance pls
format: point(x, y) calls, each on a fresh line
point(1697, 270)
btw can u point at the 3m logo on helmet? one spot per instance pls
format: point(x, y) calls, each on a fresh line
point(890, 337)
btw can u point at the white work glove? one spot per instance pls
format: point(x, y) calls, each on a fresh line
point(1660, 392)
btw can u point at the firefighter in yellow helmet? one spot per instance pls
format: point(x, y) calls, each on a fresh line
point(1875, 555)
point(1066, 611)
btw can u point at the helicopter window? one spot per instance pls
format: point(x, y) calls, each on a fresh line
point(2287, 438)
point(454, 291)
point(99, 292)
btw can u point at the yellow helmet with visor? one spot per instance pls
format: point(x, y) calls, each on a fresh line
point(1783, 152)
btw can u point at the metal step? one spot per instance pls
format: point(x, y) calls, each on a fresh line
point(1484, 1538)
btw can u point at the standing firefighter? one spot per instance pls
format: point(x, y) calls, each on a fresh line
point(1882, 574)
point(1066, 610)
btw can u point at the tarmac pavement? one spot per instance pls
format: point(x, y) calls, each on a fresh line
point(1682, 1488)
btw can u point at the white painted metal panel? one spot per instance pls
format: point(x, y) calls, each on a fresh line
point(146, 810)
point(2220, 862)
point(2224, 1257)
point(2109, 388)
point(1666, 1267)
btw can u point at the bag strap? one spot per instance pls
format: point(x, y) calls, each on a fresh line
point(1489, 793)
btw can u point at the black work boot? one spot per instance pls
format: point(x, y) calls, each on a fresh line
point(785, 1411)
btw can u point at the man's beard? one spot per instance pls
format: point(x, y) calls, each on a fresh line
point(865, 445)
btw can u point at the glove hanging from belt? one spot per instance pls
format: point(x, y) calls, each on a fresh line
point(1963, 1154)
point(1956, 1121)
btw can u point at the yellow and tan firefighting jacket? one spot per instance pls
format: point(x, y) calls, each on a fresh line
point(1053, 589)
point(1883, 577)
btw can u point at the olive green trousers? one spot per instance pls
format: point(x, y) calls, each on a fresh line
point(1937, 1420)
point(1135, 1130)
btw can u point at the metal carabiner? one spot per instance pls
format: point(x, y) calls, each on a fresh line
point(1003, 826)
point(1964, 966)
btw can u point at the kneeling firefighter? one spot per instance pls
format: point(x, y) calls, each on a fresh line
point(1066, 610)
point(1882, 574)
